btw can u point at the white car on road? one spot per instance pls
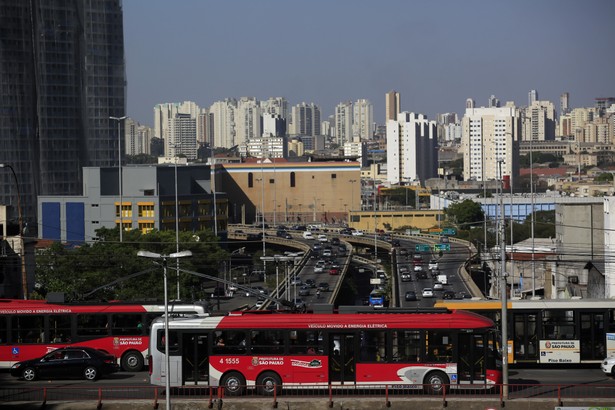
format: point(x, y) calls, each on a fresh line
point(428, 293)
point(608, 366)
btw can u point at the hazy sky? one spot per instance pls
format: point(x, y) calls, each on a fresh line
point(436, 53)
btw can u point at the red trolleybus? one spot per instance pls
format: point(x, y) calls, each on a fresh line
point(32, 328)
point(269, 351)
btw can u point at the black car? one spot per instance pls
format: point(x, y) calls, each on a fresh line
point(323, 286)
point(69, 362)
point(411, 296)
point(448, 294)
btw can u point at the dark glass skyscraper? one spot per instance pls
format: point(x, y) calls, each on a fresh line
point(62, 75)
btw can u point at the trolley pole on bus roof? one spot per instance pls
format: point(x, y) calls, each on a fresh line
point(503, 287)
point(177, 255)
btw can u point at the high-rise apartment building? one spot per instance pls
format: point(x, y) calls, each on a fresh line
point(275, 105)
point(137, 137)
point(182, 137)
point(362, 120)
point(539, 121)
point(247, 120)
point(392, 105)
point(305, 120)
point(273, 125)
point(62, 74)
point(493, 102)
point(411, 148)
point(165, 113)
point(490, 135)
point(343, 122)
point(222, 123)
point(564, 103)
point(532, 97)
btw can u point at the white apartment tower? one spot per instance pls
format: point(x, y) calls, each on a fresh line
point(305, 120)
point(222, 123)
point(273, 125)
point(411, 148)
point(182, 137)
point(275, 105)
point(362, 120)
point(137, 138)
point(164, 112)
point(490, 135)
point(532, 97)
point(343, 122)
point(247, 120)
point(564, 103)
point(539, 121)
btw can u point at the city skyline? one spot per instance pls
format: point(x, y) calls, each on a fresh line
point(435, 54)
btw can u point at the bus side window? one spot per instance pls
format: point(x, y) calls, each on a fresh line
point(173, 339)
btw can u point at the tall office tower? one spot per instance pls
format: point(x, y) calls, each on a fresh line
point(343, 122)
point(470, 103)
point(539, 121)
point(305, 120)
point(273, 125)
point(222, 123)
point(202, 128)
point(164, 112)
point(490, 135)
point(564, 103)
point(532, 97)
point(62, 75)
point(182, 137)
point(392, 105)
point(247, 120)
point(493, 102)
point(275, 105)
point(362, 120)
point(137, 138)
point(411, 148)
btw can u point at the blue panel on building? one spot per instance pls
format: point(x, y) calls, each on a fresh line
point(51, 220)
point(75, 224)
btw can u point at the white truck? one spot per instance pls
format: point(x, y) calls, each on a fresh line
point(443, 279)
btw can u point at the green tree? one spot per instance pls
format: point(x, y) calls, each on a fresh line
point(604, 177)
point(465, 213)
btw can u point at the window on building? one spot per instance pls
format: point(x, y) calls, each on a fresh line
point(333, 176)
point(250, 180)
point(292, 179)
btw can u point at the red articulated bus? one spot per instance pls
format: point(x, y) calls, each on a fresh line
point(33, 328)
point(270, 351)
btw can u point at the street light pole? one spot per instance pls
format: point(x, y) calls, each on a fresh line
point(175, 146)
point(177, 255)
point(119, 161)
point(503, 295)
point(22, 254)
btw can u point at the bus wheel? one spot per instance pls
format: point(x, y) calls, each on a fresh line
point(132, 362)
point(29, 374)
point(435, 383)
point(268, 383)
point(234, 384)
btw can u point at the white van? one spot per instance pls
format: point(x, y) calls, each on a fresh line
point(308, 235)
point(443, 279)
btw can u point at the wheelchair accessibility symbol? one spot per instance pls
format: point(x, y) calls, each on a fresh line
point(15, 350)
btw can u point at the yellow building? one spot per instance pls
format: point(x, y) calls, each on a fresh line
point(391, 220)
point(290, 192)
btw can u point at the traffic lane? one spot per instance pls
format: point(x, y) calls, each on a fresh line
point(323, 277)
point(120, 378)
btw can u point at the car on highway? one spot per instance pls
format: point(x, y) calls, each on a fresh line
point(438, 286)
point(421, 274)
point(334, 270)
point(296, 281)
point(357, 233)
point(323, 287)
point(448, 294)
point(67, 363)
point(418, 268)
point(260, 302)
point(410, 296)
point(335, 241)
point(299, 304)
point(310, 283)
point(463, 295)
point(322, 238)
point(320, 266)
point(608, 366)
point(304, 290)
point(433, 264)
point(405, 274)
point(427, 293)
point(403, 252)
point(444, 239)
point(327, 253)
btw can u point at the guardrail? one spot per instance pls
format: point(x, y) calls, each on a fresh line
point(544, 396)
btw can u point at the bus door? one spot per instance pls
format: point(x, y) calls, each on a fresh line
point(195, 358)
point(593, 336)
point(471, 358)
point(525, 337)
point(341, 358)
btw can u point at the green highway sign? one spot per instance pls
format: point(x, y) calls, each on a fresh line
point(449, 231)
point(442, 247)
point(421, 248)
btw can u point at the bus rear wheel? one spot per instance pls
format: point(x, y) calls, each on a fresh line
point(435, 383)
point(269, 383)
point(234, 384)
point(132, 362)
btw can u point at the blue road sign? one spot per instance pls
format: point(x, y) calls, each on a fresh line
point(421, 248)
point(449, 231)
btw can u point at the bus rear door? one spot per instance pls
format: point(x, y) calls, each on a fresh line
point(342, 365)
point(471, 358)
point(195, 358)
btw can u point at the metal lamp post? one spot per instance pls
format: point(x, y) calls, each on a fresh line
point(177, 255)
point(119, 161)
point(503, 295)
point(22, 255)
